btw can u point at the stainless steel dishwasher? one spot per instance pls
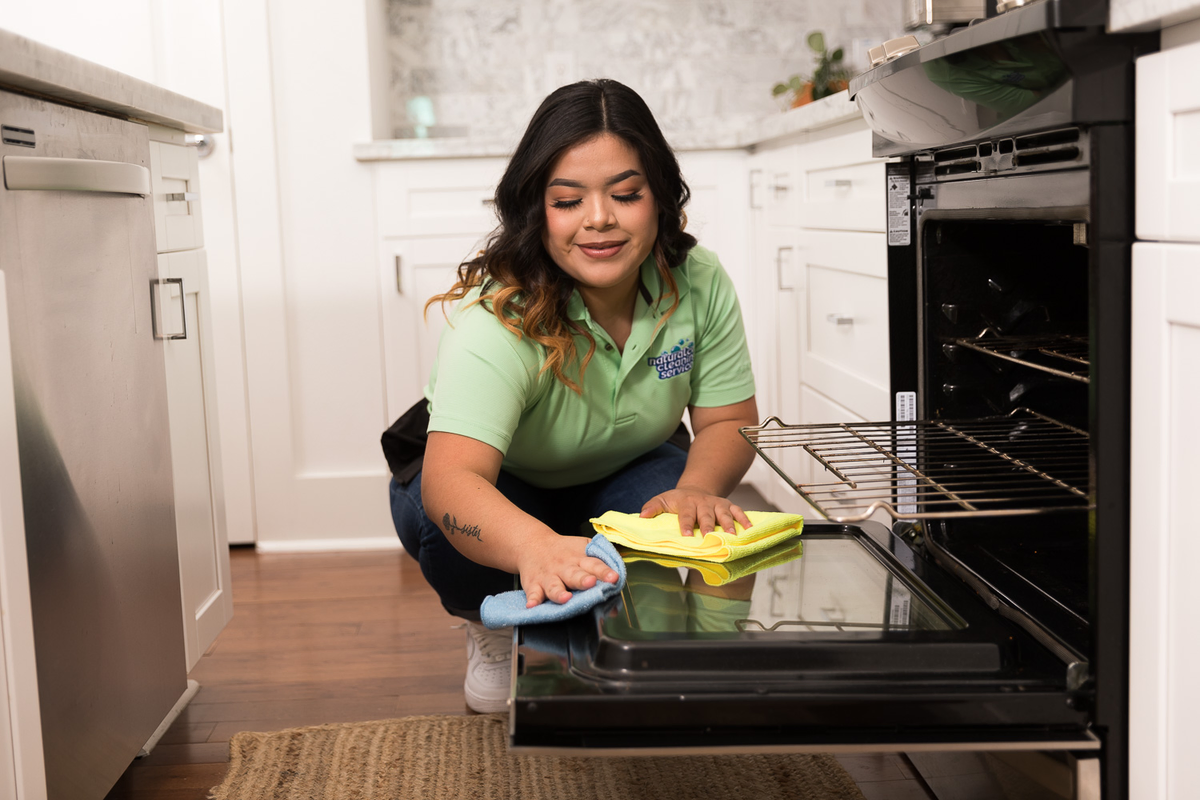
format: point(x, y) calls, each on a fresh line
point(78, 256)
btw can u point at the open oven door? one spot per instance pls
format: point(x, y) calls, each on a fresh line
point(844, 638)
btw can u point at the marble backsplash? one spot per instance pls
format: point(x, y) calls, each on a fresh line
point(479, 68)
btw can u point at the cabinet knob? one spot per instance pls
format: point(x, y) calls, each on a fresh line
point(839, 319)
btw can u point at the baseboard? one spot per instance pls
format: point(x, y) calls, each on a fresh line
point(328, 545)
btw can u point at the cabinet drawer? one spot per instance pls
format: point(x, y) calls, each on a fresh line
point(175, 177)
point(845, 335)
point(437, 198)
point(849, 197)
point(842, 184)
point(1168, 158)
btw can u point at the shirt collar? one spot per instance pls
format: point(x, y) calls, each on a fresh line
point(576, 309)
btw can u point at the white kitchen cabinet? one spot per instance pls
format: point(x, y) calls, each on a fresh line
point(412, 270)
point(175, 177)
point(184, 320)
point(1168, 145)
point(779, 295)
point(1164, 698)
point(438, 197)
point(195, 452)
point(844, 338)
point(842, 184)
point(820, 260)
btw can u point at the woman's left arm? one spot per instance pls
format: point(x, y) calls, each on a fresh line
point(717, 460)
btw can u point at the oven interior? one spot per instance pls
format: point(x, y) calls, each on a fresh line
point(1005, 334)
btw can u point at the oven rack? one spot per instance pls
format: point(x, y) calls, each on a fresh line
point(1023, 463)
point(1064, 355)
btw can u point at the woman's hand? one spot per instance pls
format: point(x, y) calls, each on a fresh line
point(552, 566)
point(696, 508)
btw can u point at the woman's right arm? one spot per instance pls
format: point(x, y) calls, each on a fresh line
point(458, 490)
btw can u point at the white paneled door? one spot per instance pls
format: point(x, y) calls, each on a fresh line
point(308, 265)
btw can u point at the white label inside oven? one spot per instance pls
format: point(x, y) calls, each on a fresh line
point(901, 606)
point(899, 223)
point(906, 451)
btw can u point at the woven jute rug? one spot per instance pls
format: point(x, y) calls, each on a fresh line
point(444, 757)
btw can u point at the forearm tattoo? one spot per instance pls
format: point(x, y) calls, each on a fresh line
point(451, 525)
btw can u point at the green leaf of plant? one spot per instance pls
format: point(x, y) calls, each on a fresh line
point(778, 89)
point(795, 83)
point(816, 40)
point(837, 55)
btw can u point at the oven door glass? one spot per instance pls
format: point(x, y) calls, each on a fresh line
point(841, 637)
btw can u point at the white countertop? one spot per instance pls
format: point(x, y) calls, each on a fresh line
point(820, 114)
point(1150, 15)
point(34, 68)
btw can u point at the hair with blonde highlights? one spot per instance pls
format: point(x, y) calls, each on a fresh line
point(520, 283)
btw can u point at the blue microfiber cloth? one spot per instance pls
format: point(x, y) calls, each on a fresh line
point(508, 608)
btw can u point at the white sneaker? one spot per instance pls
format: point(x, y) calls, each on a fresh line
point(489, 668)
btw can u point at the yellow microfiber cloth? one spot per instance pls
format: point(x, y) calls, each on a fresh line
point(721, 574)
point(661, 535)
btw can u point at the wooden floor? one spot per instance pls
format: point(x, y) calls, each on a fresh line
point(342, 637)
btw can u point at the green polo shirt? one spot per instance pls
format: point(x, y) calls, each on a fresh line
point(485, 383)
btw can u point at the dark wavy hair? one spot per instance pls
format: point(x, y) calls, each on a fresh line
point(520, 282)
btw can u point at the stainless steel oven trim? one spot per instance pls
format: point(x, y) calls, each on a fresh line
point(1088, 742)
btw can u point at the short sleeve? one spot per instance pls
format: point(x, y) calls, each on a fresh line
point(722, 374)
point(484, 378)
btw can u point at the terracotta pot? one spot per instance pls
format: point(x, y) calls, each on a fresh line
point(804, 96)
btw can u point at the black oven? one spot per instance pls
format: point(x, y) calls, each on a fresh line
point(969, 588)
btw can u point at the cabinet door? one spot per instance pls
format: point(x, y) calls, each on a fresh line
point(845, 330)
point(175, 175)
point(438, 197)
point(1164, 697)
point(777, 364)
point(411, 272)
point(182, 313)
point(776, 186)
point(1168, 145)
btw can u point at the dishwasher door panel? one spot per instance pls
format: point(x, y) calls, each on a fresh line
point(93, 441)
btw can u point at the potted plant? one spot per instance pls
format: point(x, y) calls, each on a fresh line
point(829, 77)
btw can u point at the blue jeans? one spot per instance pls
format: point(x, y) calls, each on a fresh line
point(462, 584)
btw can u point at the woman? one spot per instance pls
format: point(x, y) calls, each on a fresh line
point(581, 333)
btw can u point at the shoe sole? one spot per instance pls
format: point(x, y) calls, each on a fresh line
point(483, 705)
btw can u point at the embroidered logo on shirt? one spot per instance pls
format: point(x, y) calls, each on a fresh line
point(675, 361)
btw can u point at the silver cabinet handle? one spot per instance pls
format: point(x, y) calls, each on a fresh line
point(75, 175)
point(177, 197)
point(779, 269)
point(488, 202)
point(154, 300)
point(839, 319)
point(840, 183)
point(399, 273)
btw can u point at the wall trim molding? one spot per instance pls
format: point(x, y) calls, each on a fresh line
point(327, 545)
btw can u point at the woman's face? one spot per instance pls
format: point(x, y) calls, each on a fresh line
point(601, 220)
